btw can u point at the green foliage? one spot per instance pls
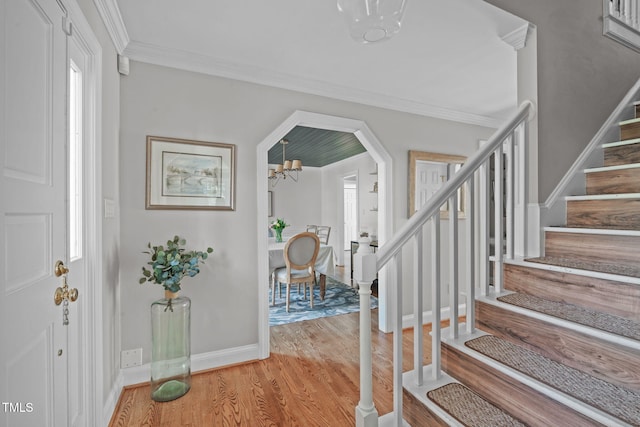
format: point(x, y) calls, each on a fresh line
point(171, 263)
point(279, 224)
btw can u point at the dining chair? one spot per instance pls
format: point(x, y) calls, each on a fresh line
point(323, 232)
point(312, 228)
point(300, 253)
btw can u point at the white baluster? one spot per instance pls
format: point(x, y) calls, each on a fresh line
point(418, 340)
point(471, 244)
point(523, 190)
point(510, 202)
point(397, 342)
point(498, 228)
point(484, 209)
point(453, 266)
point(436, 362)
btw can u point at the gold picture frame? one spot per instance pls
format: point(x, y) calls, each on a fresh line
point(187, 174)
point(450, 162)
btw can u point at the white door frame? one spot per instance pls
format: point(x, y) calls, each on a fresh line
point(92, 349)
point(385, 212)
point(342, 213)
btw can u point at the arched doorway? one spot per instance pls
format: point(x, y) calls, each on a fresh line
point(384, 162)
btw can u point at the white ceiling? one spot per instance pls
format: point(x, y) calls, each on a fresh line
point(448, 61)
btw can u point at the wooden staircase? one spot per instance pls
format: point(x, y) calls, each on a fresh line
point(582, 314)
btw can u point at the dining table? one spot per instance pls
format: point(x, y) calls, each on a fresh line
point(324, 262)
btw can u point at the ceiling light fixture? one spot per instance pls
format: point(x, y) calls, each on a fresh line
point(285, 169)
point(372, 20)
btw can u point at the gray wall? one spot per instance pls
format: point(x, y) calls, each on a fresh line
point(168, 102)
point(582, 76)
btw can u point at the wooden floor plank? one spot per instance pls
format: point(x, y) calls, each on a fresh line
point(311, 379)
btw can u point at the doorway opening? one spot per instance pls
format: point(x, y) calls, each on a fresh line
point(379, 155)
point(350, 213)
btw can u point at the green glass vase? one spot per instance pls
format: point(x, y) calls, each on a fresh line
point(171, 347)
point(278, 232)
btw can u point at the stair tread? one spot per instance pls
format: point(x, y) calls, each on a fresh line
point(614, 400)
point(469, 408)
point(629, 122)
point(600, 267)
point(603, 196)
point(595, 319)
point(621, 143)
point(613, 168)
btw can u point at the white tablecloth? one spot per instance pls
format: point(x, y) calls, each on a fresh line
point(324, 261)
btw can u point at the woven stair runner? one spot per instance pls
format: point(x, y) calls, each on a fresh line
point(600, 267)
point(595, 319)
point(621, 403)
point(469, 408)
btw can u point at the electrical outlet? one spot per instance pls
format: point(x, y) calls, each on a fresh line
point(129, 358)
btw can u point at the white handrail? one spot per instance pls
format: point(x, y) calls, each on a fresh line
point(395, 244)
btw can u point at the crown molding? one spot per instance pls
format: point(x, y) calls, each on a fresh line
point(518, 37)
point(112, 19)
point(180, 59)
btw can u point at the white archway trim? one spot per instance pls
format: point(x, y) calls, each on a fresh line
point(385, 211)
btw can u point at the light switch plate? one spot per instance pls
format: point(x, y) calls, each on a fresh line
point(109, 208)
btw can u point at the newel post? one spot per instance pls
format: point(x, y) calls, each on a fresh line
point(364, 272)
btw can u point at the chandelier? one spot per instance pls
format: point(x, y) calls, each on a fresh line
point(372, 20)
point(286, 168)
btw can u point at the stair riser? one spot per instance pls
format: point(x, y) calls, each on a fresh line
point(417, 414)
point(619, 250)
point(601, 359)
point(623, 214)
point(622, 155)
point(511, 396)
point(607, 296)
point(614, 182)
point(629, 131)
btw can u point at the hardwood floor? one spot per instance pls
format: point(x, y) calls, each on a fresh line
point(311, 379)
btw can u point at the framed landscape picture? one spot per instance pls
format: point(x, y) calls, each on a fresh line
point(185, 174)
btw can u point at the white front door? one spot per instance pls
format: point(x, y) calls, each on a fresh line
point(33, 213)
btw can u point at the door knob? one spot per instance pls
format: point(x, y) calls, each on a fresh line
point(60, 269)
point(63, 293)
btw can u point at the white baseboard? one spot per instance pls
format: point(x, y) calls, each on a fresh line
point(427, 316)
point(217, 359)
point(112, 400)
point(199, 362)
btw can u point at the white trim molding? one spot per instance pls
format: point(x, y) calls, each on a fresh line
point(112, 19)
point(189, 61)
point(92, 332)
point(518, 37)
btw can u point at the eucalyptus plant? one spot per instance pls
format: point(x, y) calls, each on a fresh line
point(171, 263)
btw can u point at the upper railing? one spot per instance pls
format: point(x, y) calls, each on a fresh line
point(625, 11)
point(498, 174)
point(621, 22)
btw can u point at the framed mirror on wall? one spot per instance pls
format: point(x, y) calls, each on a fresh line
point(427, 174)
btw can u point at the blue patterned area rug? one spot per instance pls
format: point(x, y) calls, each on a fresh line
point(339, 299)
